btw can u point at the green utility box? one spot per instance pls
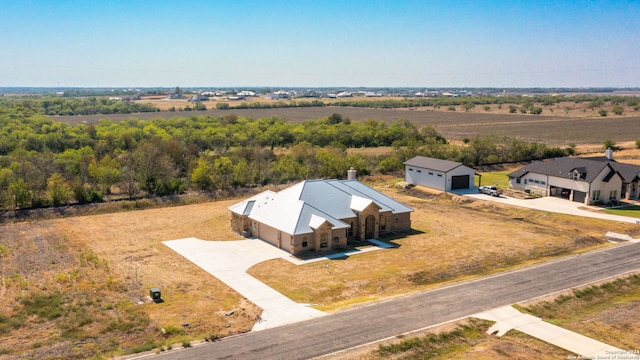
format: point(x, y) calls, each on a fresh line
point(155, 295)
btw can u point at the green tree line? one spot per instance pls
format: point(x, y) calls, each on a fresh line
point(55, 105)
point(44, 162)
point(526, 102)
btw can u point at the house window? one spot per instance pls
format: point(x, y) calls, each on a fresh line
point(430, 173)
point(595, 195)
point(543, 183)
point(439, 175)
point(305, 244)
point(525, 181)
point(575, 175)
point(419, 171)
point(613, 195)
point(383, 223)
point(336, 239)
point(350, 230)
point(518, 181)
point(410, 169)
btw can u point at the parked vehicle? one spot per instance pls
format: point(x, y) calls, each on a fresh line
point(489, 190)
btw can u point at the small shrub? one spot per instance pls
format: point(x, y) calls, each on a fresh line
point(602, 112)
point(618, 110)
point(186, 344)
point(586, 292)
point(47, 306)
point(451, 108)
point(150, 345)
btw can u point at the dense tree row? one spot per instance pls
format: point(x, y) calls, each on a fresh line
point(54, 105)
point(526, 102)
point(43, 162)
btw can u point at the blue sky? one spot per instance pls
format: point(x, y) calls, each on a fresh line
point(320, 43)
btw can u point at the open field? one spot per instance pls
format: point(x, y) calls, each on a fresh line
point(92, 271)
point(553, 130)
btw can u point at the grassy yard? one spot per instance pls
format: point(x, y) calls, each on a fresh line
point(631, 211)
point(497, 178)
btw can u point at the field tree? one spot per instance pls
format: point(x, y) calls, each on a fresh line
point(105, 173)
point(201, 175)
point(618, 110)
point(480, 149)
point(58, 189)
point(608, 144)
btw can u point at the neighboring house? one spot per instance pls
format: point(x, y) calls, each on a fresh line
point(175, 96)
point(316, 215)
point(199, 97)
point(438, 174)
point(278, 95)
point(586, 180)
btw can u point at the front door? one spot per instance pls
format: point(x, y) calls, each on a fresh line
point(370, 227)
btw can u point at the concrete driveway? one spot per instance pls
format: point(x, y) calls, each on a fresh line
point(229, 262)
point(551, 204)
point(508, 318)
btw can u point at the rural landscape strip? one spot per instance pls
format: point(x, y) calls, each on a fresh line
point(390, 318)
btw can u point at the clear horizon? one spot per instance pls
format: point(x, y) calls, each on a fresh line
point(464, 44)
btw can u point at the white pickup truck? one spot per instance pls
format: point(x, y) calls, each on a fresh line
point(489, 190)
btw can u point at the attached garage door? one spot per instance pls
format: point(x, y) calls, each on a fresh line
point(460, 182)
point(579, 196)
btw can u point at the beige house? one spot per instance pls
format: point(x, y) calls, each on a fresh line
point(585, 180)
point(317, 215)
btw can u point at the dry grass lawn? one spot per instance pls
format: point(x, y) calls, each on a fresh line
point(70, 287)
point(476, 344)
point(453, 238)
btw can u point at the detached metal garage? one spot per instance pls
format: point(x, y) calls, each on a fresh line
point(438, 174)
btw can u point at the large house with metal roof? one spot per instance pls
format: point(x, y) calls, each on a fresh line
point(586, 180)
point(316, 215)
point(438, 174)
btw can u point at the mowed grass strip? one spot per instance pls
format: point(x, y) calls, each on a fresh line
point(632, 211)
point(452, 238)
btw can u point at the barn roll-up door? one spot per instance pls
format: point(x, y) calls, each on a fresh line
point(460, 182)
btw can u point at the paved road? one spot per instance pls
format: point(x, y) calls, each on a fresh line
point(386, 319)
